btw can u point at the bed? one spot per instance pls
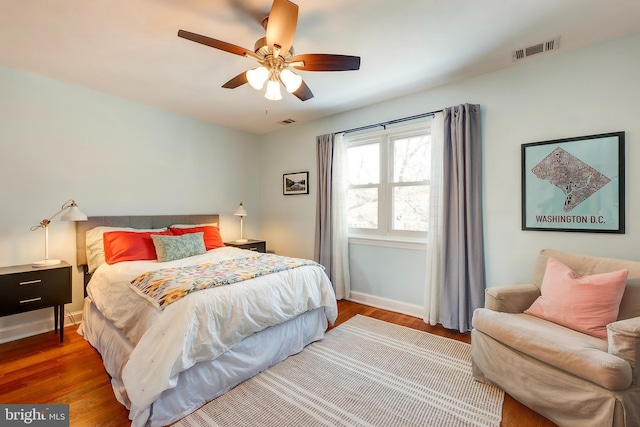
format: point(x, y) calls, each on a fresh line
point(167, 357)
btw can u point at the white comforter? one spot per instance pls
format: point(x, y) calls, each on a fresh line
point(202, 325)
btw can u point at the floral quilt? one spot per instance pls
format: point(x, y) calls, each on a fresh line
point(166, 286)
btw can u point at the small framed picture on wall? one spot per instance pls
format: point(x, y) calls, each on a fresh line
point(295, 183)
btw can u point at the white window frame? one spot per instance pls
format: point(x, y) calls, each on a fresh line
point(385, 235)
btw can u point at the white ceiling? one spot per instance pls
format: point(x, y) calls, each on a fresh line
point(129, 48)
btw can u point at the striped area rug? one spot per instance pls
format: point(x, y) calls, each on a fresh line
point(365, 372)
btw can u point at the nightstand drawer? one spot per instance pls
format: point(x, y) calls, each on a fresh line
point(32, 290)
point(251, 245)
point(258, 247)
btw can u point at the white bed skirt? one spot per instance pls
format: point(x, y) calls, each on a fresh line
point(206, 380)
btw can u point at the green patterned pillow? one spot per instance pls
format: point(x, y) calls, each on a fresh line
point(169, 248)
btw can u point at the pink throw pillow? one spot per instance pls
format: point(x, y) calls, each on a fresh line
point(586, 304)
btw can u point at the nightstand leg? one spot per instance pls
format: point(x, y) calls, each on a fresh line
point(55, 318)
point(61, 323)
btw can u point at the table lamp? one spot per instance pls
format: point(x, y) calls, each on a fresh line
point(72, 214)
point(241, 212)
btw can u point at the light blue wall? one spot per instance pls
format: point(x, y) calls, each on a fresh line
point(59, 141)
point(114, 157)
point(556, 95)
point(395, 274)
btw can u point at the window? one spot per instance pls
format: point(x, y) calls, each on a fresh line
point(388, 182)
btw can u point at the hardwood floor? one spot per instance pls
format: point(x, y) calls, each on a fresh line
point(40, 370)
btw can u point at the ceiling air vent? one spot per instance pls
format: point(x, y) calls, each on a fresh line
point(526, 52)
point(287, 122)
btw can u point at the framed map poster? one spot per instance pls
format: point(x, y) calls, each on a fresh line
point(574, 184)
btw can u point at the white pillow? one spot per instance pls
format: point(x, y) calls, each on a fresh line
point(215, 224)
point(95, 244)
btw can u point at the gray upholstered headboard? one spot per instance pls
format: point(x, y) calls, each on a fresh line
point(146, 221)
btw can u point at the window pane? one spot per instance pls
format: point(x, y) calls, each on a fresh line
point(411, 208)
point(363, 208)
point(363, 163)
point(412, 159)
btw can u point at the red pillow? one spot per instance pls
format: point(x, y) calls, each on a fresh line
point(130, 245)
point(212, 239)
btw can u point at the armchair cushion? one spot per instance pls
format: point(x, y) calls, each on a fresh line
point(582, 355)
point(583, 303)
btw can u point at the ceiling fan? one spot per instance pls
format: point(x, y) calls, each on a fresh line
point(275, 55)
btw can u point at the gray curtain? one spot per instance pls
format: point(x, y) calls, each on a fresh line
point(323, 242)
point(463, 275)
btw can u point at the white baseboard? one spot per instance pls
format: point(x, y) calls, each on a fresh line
point(24, 330)
point(387, 304)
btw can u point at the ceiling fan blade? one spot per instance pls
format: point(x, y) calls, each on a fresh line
point(303, 93)
point(281, 25)
point(238, 80)
point(218, 44)
point(327, 62)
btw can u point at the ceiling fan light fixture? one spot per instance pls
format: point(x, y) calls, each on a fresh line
point(275, 54)
point(291, 80)
point(257, 77)
point(273, 91)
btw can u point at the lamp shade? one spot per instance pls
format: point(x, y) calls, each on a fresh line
point(291, 80)
point(257, 77)
point(73, 214)
point(240, 211)
point(273, 91)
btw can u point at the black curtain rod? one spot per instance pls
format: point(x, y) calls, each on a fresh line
point(391, 122)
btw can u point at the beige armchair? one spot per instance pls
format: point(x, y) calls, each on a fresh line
point(571, 378)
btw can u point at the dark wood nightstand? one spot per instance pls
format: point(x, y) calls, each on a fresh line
point(24, 288)
point(252, 245)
